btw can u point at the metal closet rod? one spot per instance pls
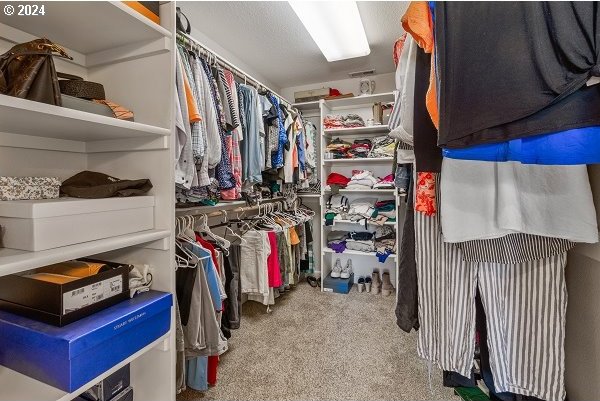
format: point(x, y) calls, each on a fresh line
point(223, 207)
point(224, 63)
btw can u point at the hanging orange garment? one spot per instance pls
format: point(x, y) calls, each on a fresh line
point(419, 23)
point(191, 102)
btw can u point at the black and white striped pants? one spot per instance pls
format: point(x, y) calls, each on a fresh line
point(525, 307)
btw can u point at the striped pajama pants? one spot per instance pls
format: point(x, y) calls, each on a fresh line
point(525, 305)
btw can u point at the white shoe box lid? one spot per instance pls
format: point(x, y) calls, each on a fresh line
point(32, 209)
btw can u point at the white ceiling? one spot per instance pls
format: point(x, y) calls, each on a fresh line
point(269, 37)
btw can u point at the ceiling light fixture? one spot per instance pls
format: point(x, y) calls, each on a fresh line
point(335, 26)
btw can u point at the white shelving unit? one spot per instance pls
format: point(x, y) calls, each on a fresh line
point(363, 262)
point(360, 160)
point(311, 111)
point(375, 129)
point(133, 58)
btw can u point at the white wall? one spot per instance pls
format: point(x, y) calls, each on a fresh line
point(227, 55)
point(383, 83)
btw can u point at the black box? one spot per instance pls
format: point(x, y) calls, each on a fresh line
point(114, 387)
point(47, 302)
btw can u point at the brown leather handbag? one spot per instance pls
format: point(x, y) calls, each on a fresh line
point(27, 71)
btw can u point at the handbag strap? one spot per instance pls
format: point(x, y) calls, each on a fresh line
point(179, 23)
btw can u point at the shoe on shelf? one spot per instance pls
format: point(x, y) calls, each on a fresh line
point(376, 282)
point(386, 287)
point(361, 284)
point(368, 283)
point(337, 269)
point(347, 270)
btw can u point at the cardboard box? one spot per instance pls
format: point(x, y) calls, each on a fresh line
point(339, 285)
point(311, 94)
point(37, 225)
point(71, 356)
point(62, 304)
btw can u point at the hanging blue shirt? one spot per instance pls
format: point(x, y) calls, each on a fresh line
point(277, 157)
point(570, 147)
point(211, 273)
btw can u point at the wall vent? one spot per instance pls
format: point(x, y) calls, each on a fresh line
point(359, 74)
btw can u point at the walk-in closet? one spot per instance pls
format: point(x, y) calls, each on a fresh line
point(299, 200)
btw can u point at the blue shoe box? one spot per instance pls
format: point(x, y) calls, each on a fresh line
point(339, 285)
point(69, 357)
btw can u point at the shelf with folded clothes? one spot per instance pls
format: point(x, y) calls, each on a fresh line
point(353, 252)
point(360, 160)
point(366, 190)
point(368, 130)
point(362, 222)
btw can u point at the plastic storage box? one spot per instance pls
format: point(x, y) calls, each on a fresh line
point(70, 357)
point(37, 225)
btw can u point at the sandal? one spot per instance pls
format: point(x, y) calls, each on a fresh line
point(312, 281)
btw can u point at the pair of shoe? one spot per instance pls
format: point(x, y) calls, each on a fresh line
point(341, 272)
point(364, 284)
point(374, 284)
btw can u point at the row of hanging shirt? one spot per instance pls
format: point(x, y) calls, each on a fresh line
point(230, 137)
point(276, 246)
point(215, 273)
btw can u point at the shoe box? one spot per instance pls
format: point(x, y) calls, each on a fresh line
point(61, 303)
point(69, 357)
point(112, 388)
point(339, 285)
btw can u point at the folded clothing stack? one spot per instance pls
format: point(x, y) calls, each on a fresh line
point(362, 208)
point(361, 179)
point(386, 182)
point(386, 208)
point(360, 148)
point(383, 146)
point(385, 242)
point(339, 149)
point(336, 121)
point(333, 121)
point(363, 241)
point(336, 240)
point(337, 180)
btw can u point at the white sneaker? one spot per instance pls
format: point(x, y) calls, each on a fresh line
point(347, 270)
point(337, 269)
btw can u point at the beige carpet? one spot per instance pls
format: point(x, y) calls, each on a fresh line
point(322, 346)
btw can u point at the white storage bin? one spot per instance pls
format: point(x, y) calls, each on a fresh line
point(36, 225)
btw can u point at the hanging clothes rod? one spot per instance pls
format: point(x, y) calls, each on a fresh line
point(209, 211)
point(193, 44)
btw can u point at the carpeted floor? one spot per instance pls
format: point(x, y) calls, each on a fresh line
point(322, 346)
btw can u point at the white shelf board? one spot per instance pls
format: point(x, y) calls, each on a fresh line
point(15, 260)
point(29, 118)
point(375, 129)
point(300, 195)
point(366, 100)
point(18, 387)
point(366, 191)
point(359, 160)
point(88, 26)
point(352, 252)
point(306, 106)
point(361, 222)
